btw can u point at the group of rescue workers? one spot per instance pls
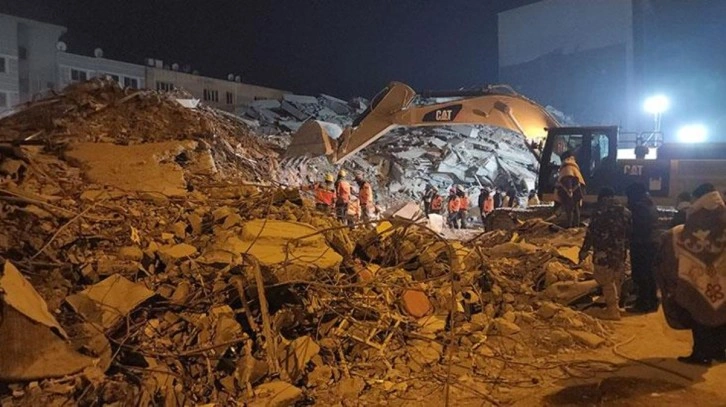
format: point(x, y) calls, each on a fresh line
point(686, 263)
point(336, 196)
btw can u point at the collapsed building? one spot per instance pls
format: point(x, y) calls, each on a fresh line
point(404, 161)
point(152, 256)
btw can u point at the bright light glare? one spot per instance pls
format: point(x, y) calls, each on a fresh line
point(656, 104)
point(693, 133)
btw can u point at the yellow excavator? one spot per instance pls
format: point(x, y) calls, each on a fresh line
point(678, 167)
point(393, 107)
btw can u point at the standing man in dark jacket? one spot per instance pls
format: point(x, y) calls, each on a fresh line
point(609, 236)
point(498, 198)
point(691, 272)
point(643, 247)
point(428, 196)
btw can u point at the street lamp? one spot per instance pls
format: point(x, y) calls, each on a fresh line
point(693, 133)
point(656, 105)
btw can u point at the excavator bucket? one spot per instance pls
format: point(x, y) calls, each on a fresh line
point(312, 139)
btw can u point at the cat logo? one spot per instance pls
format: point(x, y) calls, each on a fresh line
point(633, 169)
point(443, 115)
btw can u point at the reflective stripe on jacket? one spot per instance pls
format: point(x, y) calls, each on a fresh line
point(343, 191)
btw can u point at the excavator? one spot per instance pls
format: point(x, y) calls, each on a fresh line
point(678, 167)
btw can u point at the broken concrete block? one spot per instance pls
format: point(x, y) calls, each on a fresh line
point(548, 310)
point(33, 343)
point(351, 387)
point(195, 222)
point(141, 168)
point(273, 242)
point(276, 394)
point(178, 251)
point(130, 253)
point(179, 229)
point(416, 303)
point(586, 338)
point(297, 355)
point(505, 328)
point(109, 301)
point(320, 376)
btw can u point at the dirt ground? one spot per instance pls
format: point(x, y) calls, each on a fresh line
point(643, 339)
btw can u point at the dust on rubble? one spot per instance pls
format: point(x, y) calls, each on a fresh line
point(198, 286)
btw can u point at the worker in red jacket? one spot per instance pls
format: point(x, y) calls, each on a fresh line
point(365, 197)
point(437, 203)
point(463, 207)
point(342, 196)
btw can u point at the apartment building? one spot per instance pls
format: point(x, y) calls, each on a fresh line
point(33, 61)
point(27, 59)
point(75, 68)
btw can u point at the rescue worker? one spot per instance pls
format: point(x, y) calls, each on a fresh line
point(643, 247)
point(437, 203)
point(463, 207)
point(569, 190)
point(683, 202)
point(608, 235)
point(342, 192)
point(691, 273)
point(428, 196)
point(512, 198)
point(498, 198)
point(641, 150)
point(532, 199)
point(453, 205)
point(365, 197)
point(486, 204)
point(325, 194)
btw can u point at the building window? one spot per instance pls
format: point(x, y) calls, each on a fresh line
point(114, 77)
point(211, 95)
point(164, 86)
point(3, 100)
point(132, 83)
point(78, 75)
point(230, 98)
point(3, 65)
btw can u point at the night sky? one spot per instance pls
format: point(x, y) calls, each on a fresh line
point(342, 47)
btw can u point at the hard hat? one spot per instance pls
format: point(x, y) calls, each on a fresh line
point(329, 177)
point(342, 173)
point(460, 188)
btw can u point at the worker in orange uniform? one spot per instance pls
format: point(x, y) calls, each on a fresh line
point(342, 193)
point(463, 207)
point(453, 206)
point(437, 203)
point(325, 194)
point(365, 197)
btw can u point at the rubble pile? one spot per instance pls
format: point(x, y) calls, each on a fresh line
point(192, 286)
point(99, 111)
point(401, 163)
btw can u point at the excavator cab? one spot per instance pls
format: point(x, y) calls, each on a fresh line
point(595, 149)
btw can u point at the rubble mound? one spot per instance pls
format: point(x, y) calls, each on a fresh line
point(208, 287)
point(99, 111)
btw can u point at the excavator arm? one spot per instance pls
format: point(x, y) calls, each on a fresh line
point(393, 108)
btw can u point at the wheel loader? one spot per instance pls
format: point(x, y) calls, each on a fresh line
point(677, 167)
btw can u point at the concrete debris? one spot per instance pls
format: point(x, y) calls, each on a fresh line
point(33, 343)
point(109, 301)
point(276, 394)
point(229, 289)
